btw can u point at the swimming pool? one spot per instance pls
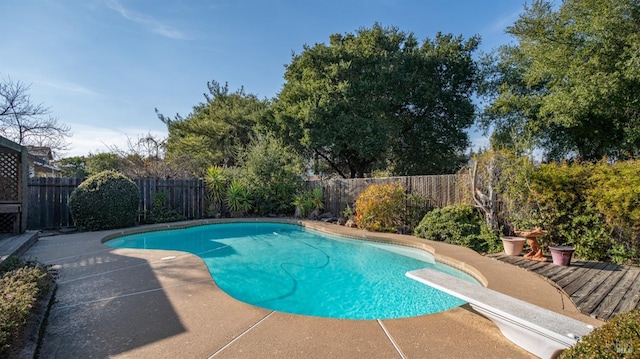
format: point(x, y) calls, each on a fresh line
point(288, 268)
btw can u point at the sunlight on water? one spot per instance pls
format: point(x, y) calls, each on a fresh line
point(291, 269)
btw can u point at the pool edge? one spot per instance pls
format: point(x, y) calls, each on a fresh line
point(329, 228)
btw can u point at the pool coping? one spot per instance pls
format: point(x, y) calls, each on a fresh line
point(323, 227)
point(480, 267)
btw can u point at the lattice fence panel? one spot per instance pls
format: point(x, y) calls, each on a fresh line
point(7, 221)
point(9, 176)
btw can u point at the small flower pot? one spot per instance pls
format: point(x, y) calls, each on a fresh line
point(512, 245)
point(561, 255)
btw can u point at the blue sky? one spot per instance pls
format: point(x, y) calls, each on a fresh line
point(102, 66)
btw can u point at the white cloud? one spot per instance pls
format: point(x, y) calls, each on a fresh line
point(94, 139)
point(70, 87)
point(147, 21)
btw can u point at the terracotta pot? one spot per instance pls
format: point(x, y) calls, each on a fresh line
point(561, 255)
point(512, 245)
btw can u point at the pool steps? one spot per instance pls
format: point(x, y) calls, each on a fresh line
point(539, 331)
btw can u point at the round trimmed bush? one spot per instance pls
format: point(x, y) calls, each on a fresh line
point(105, 200)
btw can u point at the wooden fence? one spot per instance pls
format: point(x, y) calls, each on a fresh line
point(48, 198)
point(440, 190)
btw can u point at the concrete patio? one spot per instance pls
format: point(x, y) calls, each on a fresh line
point(125, 303)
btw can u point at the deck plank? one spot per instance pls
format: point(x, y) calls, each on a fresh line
point(607, 307)
point(598, 289)
point(630, 299)
point(595, 281)
point(589, 303)
point(537, 265)
point(563, 272)
point(531, 265)
point(548, 271)
point(570, 285)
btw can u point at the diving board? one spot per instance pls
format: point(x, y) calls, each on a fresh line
point(539, 331)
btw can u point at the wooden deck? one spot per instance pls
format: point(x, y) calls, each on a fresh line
point(598, 289)
point(16, 244)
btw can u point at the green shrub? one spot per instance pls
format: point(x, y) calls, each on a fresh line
point(273, 173)
point(388, 208)
point(347, 213)
point(615, 193)
point(160, 212)
point(592, 207)
point(619, 338)
point(21, 285)
point(558, 191)
point(380, 207)
point(308, 202)
point(104, 201)
point(460, 225)
point(238, 198)
point(216, 181)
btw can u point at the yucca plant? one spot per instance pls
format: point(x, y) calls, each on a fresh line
point(315, 199)
point(238, 198)
point(216, 181)
point(308, 202)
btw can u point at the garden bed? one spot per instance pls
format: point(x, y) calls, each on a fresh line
point(26, 289)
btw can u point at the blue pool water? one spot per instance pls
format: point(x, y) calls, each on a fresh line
point(291, 269)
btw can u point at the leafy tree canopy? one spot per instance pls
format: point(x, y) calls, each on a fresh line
point(73, 166)
point(570, 85)
point(101, 162)
point(378, 98)
point(84, 166)
point(216, 128)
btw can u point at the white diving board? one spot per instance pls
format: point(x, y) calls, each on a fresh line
point(539, 331)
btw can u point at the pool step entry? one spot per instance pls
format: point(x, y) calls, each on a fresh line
point(539, 331)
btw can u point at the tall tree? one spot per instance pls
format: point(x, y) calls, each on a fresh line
point(216, 128)
point(377, 98)
point(434, 106)
point(570, 85)
point(28, 123)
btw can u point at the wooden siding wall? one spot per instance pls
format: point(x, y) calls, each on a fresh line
point(48, 199)
point(441, 190)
